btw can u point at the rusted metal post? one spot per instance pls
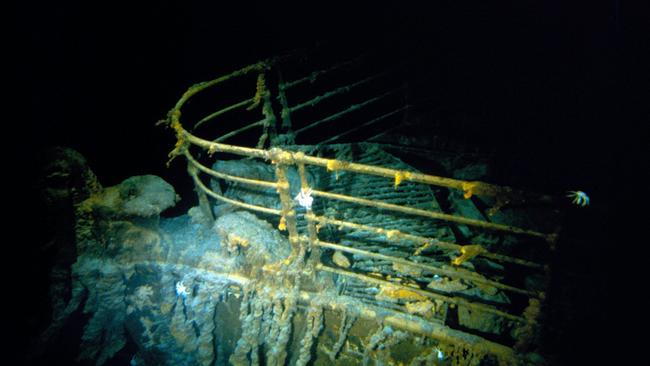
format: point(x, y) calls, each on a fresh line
point(204, 203)
point(286, 113)
point(270, 131)
point(314, 257)
point(288, 212)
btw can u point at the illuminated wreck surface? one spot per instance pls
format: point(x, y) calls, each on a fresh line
point(330, 248)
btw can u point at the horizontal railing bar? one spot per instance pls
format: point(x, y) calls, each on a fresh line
point(222, 111)
point(207, 84)
point(234, 178)
point(479, 187)
point(423, 198)
point(468, 187)
point(315, 74)
point(386, 131)
point(340, 114)
point(312, 102)
point(382, 172)
point(449, 299)
point(211, 146)
point(420, 239)
point(364, 125)
point(411, 323)
point(390, 233)
point(290, 158)
point(430, 214)
point(430, 268)
point(239, 130)
point(219, 197)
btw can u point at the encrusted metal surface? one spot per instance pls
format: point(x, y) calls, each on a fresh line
point(344, 252)
point(374, 221)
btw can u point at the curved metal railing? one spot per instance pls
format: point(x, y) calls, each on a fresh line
point(311, 243)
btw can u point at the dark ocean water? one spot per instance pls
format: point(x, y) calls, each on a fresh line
point(554, 81)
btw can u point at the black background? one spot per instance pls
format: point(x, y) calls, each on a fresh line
point(564, 86)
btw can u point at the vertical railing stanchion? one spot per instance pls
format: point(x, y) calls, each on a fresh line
point(204, 203)
point(314, 250)
point(285, 127)
point(270, 127)
point(288, 212)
